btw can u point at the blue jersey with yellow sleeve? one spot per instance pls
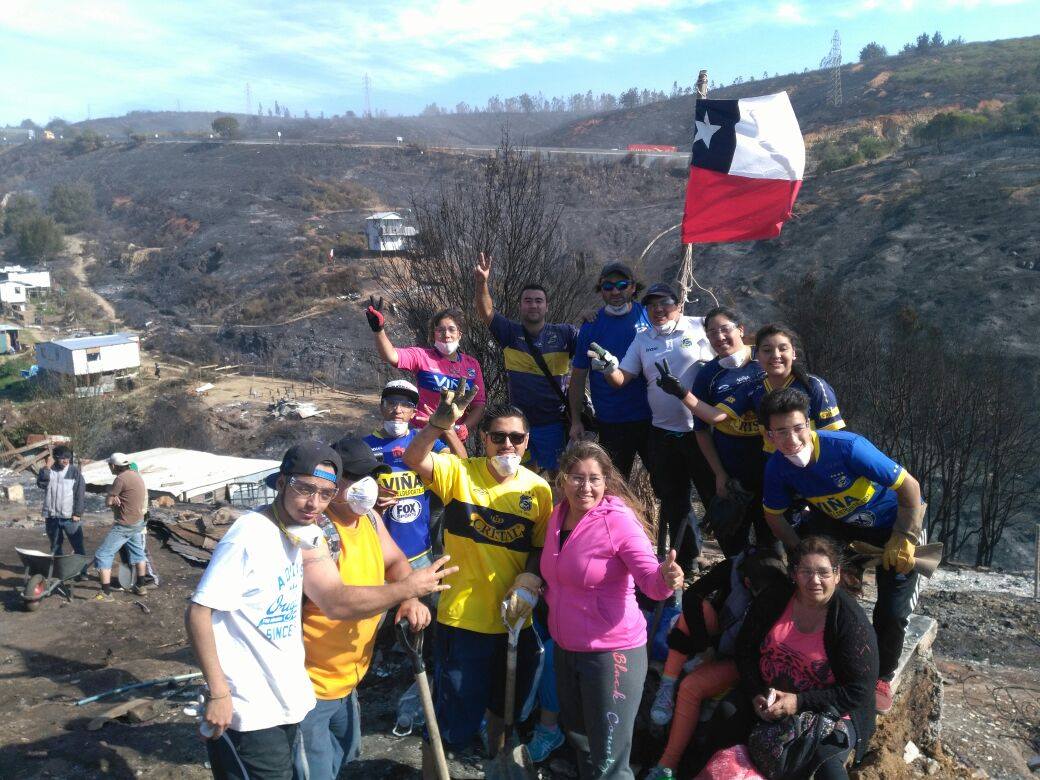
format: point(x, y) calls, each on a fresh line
point(848, 479)
point(824, 414)
point(529, 389)
point(737, 439)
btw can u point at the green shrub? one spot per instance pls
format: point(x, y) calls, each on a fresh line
point(39, 238)
point(872, 147)
point(87, 141)
point(950, 125)
point(19, 208)
point(225, 126)
point(72, 204)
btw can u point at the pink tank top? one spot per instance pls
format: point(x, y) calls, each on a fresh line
point(792, 660)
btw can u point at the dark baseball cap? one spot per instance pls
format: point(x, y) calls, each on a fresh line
point(308, 458)
point(660, 290)
point(618, 269)
point(358, 460)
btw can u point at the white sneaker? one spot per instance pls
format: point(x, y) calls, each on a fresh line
point(664, 703)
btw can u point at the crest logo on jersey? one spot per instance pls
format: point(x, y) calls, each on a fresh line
point(526, 502)
point(471, 373)
point(731, 400)
point(397, 452)
point(841, 479)
point(722, 388)
point(687, 342)
point(864, 519)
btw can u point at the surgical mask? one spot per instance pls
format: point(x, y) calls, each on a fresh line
point(506, 465)
point(362, 495)
point(736, 360)
point(446, 348)
point(666, 328)
point(618, 311)
point(395, 427)
point(802, 457)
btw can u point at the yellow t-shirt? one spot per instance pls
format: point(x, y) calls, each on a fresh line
point(339, 651)
point(489, 530)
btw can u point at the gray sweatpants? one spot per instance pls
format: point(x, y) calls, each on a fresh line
point(599, 698)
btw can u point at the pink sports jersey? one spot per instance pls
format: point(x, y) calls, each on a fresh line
point(434, 372)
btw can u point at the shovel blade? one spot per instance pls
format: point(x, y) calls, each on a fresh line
point(512, 763)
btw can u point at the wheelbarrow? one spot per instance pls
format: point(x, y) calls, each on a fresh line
point(46, 574)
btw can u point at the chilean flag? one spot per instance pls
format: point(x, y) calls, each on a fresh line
point(745, 171)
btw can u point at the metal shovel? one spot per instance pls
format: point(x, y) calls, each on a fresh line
point(513, 762)
point(413, 643)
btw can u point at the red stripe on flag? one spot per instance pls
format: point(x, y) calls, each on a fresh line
point(723, 207)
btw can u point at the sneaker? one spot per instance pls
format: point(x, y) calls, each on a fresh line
point(104, 596)
point(664, 704)
point(147, 581)
point(544, 741)
point(883, 696)
point(660, 773)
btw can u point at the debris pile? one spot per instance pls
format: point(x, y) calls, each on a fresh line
point(288, 408)
point(193, 534)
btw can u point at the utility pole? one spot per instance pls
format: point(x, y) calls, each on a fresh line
point(249, 100)
point(833, 61)
point(367, 83)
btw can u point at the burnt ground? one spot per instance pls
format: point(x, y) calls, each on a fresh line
point(65, 651)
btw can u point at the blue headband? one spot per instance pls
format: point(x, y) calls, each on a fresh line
point(330, 476)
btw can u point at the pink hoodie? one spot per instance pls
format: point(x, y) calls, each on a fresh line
point(590, 585)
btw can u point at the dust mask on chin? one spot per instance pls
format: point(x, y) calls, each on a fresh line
point(802, 457)
point(395, 427)
point(362, 495)
point(446, 348)
point(666, 328)
point(618, 311)
point(506, 465)
point(737, 360)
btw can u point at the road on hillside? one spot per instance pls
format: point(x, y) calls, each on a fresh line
point(477, 149)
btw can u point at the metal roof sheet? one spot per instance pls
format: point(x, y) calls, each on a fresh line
point(87, 342)
point(182, 472)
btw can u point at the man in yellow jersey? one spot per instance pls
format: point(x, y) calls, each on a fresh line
point(338, 652)
point(495, 516)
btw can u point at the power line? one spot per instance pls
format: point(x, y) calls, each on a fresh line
point(367, 83)
point(833, 61)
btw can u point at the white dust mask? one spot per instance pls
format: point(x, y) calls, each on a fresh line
point(666, 328)
point(802, 457)
point(736, 360)
point(395, 427)
point(362, 495)
point(506, 465)
point(619, 311)
point(446, 348)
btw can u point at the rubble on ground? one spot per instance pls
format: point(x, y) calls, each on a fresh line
point(194, 533)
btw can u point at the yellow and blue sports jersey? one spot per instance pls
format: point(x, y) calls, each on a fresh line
point(848, 479)
point(490, 528)
point(736, 438)
point(529, 389)
point(824, 414)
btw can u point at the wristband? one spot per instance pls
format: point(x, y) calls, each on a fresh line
point(210, 697)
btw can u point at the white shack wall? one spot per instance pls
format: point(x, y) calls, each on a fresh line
point(51, 357)
point(112, 357)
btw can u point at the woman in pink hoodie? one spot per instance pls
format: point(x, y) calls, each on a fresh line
point(597, 550)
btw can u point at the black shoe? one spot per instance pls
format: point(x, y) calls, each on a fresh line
point(147, 581)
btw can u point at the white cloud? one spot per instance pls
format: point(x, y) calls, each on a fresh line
point(790, 13)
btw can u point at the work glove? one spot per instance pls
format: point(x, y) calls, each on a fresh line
point(899, 553)
point(669, 382)
point(600, 359)
point(376, 320)
point(520, 600)
point(452, 406)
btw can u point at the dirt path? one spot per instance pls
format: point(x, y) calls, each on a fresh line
point(78, 265)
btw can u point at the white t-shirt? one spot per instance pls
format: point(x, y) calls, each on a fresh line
point(254, 585)
point(686, 348)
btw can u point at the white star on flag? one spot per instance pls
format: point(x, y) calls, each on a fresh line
point(705, 130)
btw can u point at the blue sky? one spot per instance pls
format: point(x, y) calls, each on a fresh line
point(56, 58)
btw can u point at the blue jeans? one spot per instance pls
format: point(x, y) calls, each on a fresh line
point(331, 737)
point(130, 535)
point(73, 529)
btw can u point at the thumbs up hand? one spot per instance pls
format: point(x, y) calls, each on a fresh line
point(671, 572)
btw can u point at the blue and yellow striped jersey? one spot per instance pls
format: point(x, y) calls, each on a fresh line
point(529, 388)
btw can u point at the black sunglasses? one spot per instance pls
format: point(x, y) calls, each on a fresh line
point(499, 437)
point(624, 284)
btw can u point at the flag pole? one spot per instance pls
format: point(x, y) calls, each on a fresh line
point(685, 280)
